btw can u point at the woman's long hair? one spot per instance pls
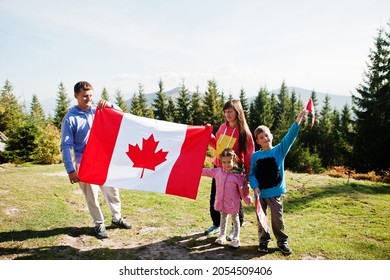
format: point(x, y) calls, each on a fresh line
point(242, 124)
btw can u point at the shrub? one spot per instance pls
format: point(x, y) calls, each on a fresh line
point(307, 162)
point(48, 151)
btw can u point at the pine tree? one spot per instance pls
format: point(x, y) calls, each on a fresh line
point(63, 103)
point(171, 109)
point(325, 146)
point(211, 108)
point(183, 103)
point(282, 122)
point(120, 101)
point(142, 102)
point(196, 108)
point(11, 113)
point(372, 108)
point(105, 95)
point(260, 112)
point(336, 141)
point(274, 108)
point(36, 111)
point(346, 127)
point(2, 108)
point(22, 142)
point(244, 102)
point(160, 103)
point(134, 106)
point(295, 107)
point(221, 100)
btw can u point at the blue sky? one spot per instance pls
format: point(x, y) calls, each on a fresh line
point(316, 45)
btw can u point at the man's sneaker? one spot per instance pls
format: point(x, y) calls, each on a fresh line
point(235, 243)
point(212, 230)
point(285, 249)
point(121, 223)
point(263, 247)
point(229, 237)
point(100, 231)
point(220, 240)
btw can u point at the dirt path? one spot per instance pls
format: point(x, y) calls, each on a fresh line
point(194, 246)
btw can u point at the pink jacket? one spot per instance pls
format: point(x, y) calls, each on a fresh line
point(229, 188)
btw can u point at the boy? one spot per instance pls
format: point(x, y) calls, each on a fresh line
point(266, 178)
point(75, 130)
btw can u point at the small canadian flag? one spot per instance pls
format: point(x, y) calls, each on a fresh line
point(132, 152)
point(310, 108)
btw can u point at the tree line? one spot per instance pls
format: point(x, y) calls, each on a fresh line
point(354, 137)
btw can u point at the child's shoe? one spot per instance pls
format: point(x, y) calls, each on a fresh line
point(229, 237)
point(263, 247)
point(235, 243)
point(285, 249)
point(220, 240)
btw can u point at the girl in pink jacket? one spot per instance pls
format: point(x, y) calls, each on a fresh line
point(230, 182)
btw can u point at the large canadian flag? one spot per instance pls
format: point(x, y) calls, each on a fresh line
point(131, 152)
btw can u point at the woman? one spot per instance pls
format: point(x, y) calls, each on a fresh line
point(233, 134)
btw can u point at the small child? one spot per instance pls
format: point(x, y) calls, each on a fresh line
point(230, 182)
point(266, 177)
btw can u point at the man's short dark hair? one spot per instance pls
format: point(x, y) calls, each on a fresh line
point(82, 85)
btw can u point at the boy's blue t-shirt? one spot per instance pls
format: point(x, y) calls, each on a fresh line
point(267, 167)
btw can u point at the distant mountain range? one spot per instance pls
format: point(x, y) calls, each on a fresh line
point(174, 93)
point(336, 101)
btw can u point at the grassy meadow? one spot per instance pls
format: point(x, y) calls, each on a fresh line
point(43, 216)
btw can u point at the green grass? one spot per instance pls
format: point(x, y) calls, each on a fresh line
point(43, 216)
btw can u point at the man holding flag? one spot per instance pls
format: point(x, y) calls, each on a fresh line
point(75, 130)
point(162, 157)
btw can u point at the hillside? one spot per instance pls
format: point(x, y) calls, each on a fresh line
point(44, 217)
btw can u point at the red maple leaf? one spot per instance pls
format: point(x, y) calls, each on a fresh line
point(146, 158)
